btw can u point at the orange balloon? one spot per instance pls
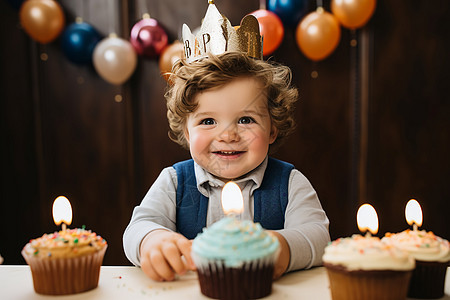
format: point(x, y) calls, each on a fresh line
point(169, 56)
point(353, 13)
point(271, 29)
point(43, 20)
point(318, 34)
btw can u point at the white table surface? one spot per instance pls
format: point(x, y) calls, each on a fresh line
point(131, 283)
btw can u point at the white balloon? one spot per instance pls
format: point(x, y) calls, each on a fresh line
point(114, 59)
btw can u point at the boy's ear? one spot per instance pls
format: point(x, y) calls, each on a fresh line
point(273, 134)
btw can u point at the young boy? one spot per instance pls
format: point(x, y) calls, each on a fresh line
point(229, 110)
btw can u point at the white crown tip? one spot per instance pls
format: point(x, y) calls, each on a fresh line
point(186, 32)
point(188, 42)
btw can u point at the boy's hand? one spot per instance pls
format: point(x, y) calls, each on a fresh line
point(283, 259)
point(162, 252)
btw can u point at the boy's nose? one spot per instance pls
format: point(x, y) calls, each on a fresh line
point(229, 134)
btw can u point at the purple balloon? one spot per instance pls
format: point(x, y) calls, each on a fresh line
point(148, 38)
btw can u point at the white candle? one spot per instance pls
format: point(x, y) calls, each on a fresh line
point(413, 214)
point(367, 219)
point(232, 201)
point(62, 212)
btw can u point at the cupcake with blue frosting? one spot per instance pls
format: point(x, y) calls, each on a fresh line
point(235, 259)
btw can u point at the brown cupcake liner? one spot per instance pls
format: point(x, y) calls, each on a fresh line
point(367, 284)
point(63, 276)
point(250, 281)
point(428, 280)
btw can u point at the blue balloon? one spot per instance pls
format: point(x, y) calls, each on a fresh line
point(289, 11)
point(78, 42)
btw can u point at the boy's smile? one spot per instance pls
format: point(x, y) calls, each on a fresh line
point(230, 131)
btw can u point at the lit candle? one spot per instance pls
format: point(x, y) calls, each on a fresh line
point(232, 201)
point(413, 214)
point(62, 212)
point(367, 219)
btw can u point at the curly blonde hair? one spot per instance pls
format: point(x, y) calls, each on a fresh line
point(189, 79)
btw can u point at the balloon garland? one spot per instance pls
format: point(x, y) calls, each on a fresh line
point(317, 33)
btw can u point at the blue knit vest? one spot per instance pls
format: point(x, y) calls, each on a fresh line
point(270, 199)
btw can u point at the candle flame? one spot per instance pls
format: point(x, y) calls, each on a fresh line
point(232, 201)
point(62, 211)
point(413, 213)
point(367, 218)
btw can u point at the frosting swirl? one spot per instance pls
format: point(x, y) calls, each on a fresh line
point(366, 253)
point(234, 241)
point(67, 243)
point(422, 245)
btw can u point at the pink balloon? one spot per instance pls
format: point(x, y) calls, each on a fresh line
point(148, 38)
point(114, 59)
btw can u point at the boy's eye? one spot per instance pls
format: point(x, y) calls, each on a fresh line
point(208, 121)
point(246, 120)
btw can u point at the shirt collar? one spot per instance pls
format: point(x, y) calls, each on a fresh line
point(205, 178)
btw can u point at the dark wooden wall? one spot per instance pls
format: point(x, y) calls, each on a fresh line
point(372, 127)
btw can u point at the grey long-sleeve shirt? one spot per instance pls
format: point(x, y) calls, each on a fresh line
point(305, 227)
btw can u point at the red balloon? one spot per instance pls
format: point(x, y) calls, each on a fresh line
point(318, 34)
point(43, 20)
point(148, 38)
point(271, 29)
point(170, 55)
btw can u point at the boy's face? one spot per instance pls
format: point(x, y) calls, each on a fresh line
point(230, 131)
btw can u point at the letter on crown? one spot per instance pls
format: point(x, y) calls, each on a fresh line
point(217, 36)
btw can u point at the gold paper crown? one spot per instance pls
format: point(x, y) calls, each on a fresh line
point(217, 36)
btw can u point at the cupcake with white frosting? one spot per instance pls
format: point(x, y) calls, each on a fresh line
point(432, 256)
point(235, 259)
point(361, 267)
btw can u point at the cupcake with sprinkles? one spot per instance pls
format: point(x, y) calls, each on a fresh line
point(431, 253)
point(363, 267)
point(65, 262)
